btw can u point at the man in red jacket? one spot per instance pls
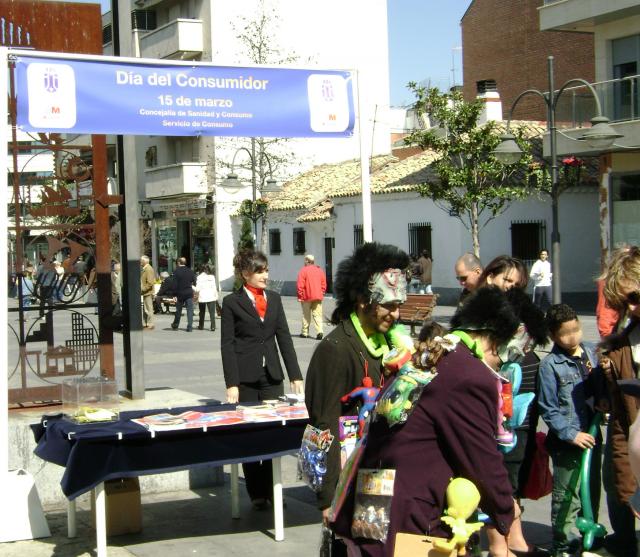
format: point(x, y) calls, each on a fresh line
point(312, 284)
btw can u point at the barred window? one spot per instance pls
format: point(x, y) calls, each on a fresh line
point(358, 235)
point(419, 237)
point(274, 241)
point(527, 239)
point(299, 246)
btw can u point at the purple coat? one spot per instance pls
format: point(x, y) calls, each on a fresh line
point(450, 433)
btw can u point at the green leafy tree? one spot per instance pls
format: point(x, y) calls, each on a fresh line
point(246, 235)
point(470, 184)
point(244, 243)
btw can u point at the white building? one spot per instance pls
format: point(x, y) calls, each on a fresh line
point(179, 176)
point(328, 223)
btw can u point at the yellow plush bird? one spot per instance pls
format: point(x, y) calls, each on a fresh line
point(463, 498)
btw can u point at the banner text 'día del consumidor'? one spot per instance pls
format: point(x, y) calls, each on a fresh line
point(109, 97)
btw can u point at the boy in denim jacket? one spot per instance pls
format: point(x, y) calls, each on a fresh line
point(566, 389)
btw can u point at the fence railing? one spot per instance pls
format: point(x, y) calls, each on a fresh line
point(620, 99)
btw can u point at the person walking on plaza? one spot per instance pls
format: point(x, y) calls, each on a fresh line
point(414, 273)
point(253, 330)
point(184, 280)
point(27, 288)
point(468, 270)
point(569, 377)
point(622, 353)
point(370, 286)
point(426, 264)
point(312, 284)
point(147, 280)
point(116, 286)
point(207, 296)
point(541, 275)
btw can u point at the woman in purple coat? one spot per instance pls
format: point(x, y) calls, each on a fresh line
point(451, 432)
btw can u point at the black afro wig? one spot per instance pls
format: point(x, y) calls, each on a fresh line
point(529, 314)
point(351, 282)
point(487, 310)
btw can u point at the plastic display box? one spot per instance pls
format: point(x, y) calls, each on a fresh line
point(90, 399)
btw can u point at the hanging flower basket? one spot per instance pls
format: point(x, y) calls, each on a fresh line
point(572, 170)
point(254, 210)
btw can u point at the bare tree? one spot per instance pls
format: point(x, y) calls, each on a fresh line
point(258, 36)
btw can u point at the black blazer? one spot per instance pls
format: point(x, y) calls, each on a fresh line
point(246, 340)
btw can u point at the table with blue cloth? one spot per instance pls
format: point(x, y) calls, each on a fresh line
point(96, 452)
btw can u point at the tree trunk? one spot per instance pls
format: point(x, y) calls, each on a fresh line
point(475, 233)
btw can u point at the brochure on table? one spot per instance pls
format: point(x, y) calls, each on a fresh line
point(242, 414)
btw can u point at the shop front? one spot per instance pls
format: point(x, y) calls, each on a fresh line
point(182, 229)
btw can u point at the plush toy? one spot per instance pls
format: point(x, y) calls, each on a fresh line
point(368, 393)
point(462, 499)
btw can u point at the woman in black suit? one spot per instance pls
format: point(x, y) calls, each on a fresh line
point(252, 320)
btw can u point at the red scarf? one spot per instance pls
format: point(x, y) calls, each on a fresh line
point(261, 301)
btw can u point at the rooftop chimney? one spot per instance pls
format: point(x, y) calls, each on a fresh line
point(488, 92)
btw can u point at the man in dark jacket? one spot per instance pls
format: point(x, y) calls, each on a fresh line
point(184, 281)
point(369, 287)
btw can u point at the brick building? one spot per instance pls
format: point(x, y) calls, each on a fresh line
point(502, 41)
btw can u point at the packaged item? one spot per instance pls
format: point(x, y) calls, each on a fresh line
point(348, 436)
point(399, 399)
point(312, 457)
point(372, 506)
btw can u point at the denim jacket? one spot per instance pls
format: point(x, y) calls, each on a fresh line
point(563, 394)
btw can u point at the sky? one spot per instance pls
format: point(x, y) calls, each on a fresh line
point(424, 44)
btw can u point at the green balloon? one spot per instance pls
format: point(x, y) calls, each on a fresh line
point(586, 524)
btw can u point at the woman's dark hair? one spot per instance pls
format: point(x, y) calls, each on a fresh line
point(206, 268)
point(559, 314)
point(351, 283)
point(251, 261)
point(487, 310)
point(502, 264)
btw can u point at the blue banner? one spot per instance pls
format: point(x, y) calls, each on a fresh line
point(110, 97)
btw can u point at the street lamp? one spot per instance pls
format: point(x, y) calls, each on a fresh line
point(231, 182)
point(600, 136)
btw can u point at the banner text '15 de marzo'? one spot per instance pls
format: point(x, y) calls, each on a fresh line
point(109, 97)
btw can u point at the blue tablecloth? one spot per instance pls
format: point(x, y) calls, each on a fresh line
point(93, 453)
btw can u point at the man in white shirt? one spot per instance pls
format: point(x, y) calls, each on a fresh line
point(541, 275)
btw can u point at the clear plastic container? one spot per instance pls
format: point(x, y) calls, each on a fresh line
point(90, 399)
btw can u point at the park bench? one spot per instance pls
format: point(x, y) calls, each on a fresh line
point(416, 309)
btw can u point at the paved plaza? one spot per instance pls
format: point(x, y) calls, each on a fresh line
point(198, 522)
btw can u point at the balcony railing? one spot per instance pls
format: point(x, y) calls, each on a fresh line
point(620, 100)
point(176, 179)
point(179, 39)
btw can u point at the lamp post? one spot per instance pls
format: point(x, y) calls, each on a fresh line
point(233, 183)
point(601, 135)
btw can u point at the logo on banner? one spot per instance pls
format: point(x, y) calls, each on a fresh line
point(328, 103)
point(52, 95)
